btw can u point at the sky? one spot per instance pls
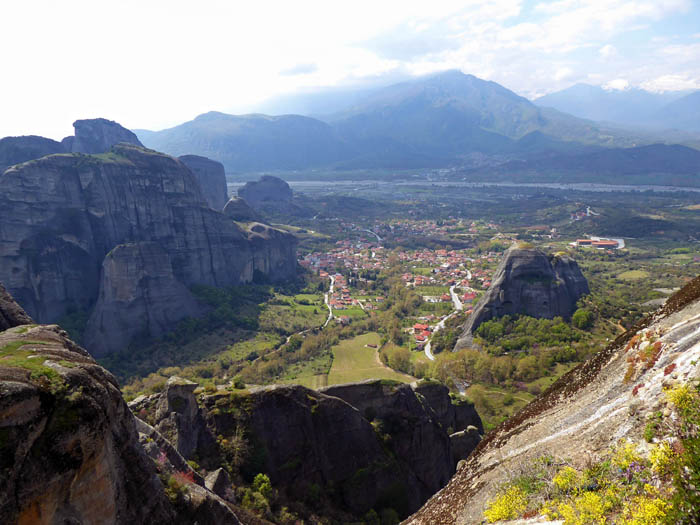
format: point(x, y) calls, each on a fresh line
point(152, 64)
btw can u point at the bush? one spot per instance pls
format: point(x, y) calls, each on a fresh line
point(582, 319)
point(507, 506)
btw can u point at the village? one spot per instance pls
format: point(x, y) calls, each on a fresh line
point(452, 280)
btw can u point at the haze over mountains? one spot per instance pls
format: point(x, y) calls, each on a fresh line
point(435, 121)
point(676, 110)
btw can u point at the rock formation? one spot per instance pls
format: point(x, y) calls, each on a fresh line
point(91, 136)
point(239, 210)
point(11, 314)
point(69, 446)
point(388, 449)
point(139, 294)
point(584, 414)
point(211, 177)
point(97, 136)
point(61, 215)
point(15, 150)
point(267, 190)
point(528, 282)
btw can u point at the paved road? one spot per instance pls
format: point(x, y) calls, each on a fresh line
point(326, 299)
point(455, 299)
point(379, 239)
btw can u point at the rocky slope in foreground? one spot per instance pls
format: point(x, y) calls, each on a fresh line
point(359, 446)
point(123, 234)
point(528, 282)
point(69, 446)
point(582, 416)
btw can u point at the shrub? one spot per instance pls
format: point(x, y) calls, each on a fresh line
point(567, 479)
point(625, 454)
point(588, 508)
point(262, 484)
point(507, 506)
point(582, 319)
point(647, 509)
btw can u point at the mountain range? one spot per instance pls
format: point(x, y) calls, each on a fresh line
point(432, 121)
point(674, 110)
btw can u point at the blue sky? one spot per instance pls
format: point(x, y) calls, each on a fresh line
point(156, 63)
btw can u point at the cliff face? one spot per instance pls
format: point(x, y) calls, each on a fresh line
point(267, 190)
point(62, 214)
point(239, 210)
point(14, 150)
point(97, 136)
point(211, 177)
point(582, 416)
point(371, 444)
point(139, 294)
point(69, 446)
point(11, 314)
point(528, 282)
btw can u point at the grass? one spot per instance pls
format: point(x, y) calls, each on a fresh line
point(432, 290)
point(14, 355)
point(352, 362)
point(633, 275)
point(354, 312)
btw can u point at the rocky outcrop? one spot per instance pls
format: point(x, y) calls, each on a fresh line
point(61, 215)
point(387, 450)
point(582, 416)
point(139, 294)
point(15, 150)
point(266, 191)
point(11, 314)
point(464, 442)
point(97, 136)
point(211, 177)
point(528, 282)
point(69, 446)
point(454, 415)
point(239, 210)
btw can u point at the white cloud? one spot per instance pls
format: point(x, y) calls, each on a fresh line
point(152, 64)
point(618, 84)
point(607, 51)
point(563, 73)
point(671, 83)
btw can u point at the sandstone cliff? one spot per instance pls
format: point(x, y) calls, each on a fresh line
point(61, 215)
point(211, 177)
point(389, 449)
point(239, 210)
point(97, 136)
point(580, 419)
point(267, 190)
point(69, 446)
point(11, 314)
point(528, 282)
point(15, 150)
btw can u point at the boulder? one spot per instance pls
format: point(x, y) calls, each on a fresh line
point(211, 177)
point(528, 282)
point(218, 481)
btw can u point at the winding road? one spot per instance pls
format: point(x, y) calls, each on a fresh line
point(326, 299)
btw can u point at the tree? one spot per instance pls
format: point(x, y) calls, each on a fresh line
point(582, 319)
